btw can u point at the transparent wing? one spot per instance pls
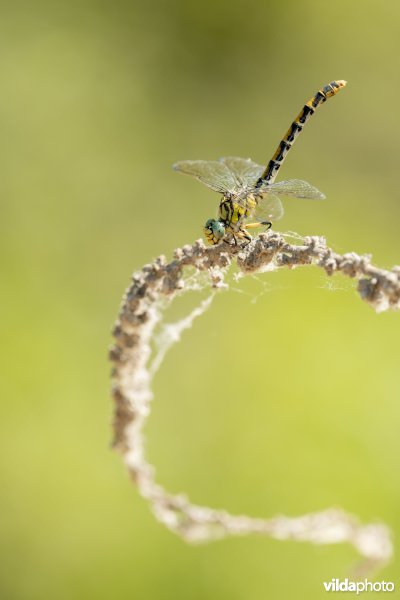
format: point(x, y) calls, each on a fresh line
point(269, 208)
point(246, 171)
point(295, 188)
point(214, 174)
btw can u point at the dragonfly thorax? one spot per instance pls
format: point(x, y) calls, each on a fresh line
point(231, 214)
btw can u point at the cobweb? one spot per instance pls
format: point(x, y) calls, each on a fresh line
point(143, 338)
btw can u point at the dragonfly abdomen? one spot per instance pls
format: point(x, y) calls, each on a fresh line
point(270, 173)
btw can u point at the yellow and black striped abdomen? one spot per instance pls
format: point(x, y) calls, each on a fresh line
point(269, 174)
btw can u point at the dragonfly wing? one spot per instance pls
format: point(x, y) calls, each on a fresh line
point(295, 188)
point(214, 174)
point(270, 208)
point(246, 171)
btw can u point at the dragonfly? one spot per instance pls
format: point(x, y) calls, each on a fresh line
point(248, 188)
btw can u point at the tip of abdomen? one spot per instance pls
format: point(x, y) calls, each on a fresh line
point(333, 88)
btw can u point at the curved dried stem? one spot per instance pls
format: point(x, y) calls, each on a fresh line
point(141, 312)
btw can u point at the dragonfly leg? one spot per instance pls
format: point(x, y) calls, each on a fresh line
point(227, 241)
point(260, 224)
point(244, 235)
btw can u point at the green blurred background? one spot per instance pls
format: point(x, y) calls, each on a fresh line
point(97, 100)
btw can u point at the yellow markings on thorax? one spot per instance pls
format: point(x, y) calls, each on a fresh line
point(233, 213)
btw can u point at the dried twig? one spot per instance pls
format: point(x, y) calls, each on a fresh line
point(141, 312)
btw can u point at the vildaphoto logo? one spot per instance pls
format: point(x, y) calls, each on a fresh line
point(336, 585)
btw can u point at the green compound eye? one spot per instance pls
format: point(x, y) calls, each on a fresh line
point(214, 231)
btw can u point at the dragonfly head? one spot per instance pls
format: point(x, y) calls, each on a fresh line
point(214, 231)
